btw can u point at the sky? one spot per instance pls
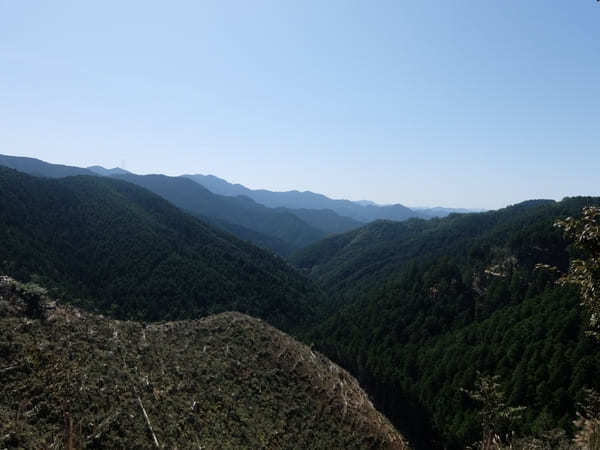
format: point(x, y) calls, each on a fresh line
point(467, 103)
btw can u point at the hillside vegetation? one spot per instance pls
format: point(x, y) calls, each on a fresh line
point(362, 212)
point(71, 379)
point(117, 248)
point(419, 311)
point(241, 211)
point(421, 307)
point(40, 168)
point(281, 230)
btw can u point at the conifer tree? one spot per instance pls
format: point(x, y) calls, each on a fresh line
point(584, 270)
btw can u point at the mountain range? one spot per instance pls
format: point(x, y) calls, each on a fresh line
point(363, 211)
point(283, 222)
point(417, 310)
point(114, 245)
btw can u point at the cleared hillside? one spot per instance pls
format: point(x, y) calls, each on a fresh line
point(227, 381)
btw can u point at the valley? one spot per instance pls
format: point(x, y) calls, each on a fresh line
point(417, 310)
point(300, 225)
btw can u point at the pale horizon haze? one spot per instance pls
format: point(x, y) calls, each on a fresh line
point(473, 104)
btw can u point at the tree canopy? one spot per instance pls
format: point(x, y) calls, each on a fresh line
point(584, 271)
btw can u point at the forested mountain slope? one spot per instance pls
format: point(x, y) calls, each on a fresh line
point(325, 220)
point(272, 243)
point(121, 249)
point(107, 172)
point(306, 200)
point(281, 230)
point(362, 211)
point(242, 211)
point(377, 252)
point(41, 168)
point(422, 306)
point(71, 379)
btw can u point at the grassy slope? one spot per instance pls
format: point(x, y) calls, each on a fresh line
point(223, 382)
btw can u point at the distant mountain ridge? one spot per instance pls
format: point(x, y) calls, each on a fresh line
point(440, 211)
point(242, 211)
point(108, 172)
point(360, 212)
point(281, 230)
point(283, 222)
point(40, 168)
point(363, 210)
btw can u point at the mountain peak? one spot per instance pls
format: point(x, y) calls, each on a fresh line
point(107, 172)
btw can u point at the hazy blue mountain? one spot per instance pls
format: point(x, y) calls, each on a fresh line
point(243, 211)
point(322, 218)
point(220, 186)
point(41, 168)
point(325, 220)
point(279, 230)
point(108, 172)
point(439, 211)
point(366, 203)
point(362, 211)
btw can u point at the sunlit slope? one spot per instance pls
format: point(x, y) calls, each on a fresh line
point(226, 381)
point(117, 248)
point(418, 308)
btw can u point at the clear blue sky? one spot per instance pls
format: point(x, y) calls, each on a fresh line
point(466, 103)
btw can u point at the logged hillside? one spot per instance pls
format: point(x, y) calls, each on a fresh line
point(422, 306)
point(71, 379)
point(117, 248)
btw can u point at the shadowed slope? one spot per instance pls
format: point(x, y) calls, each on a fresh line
point(241, 211)
point(421, 306)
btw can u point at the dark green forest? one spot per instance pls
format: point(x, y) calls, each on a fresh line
point(243, 212)
point(281, 230)
point(119, 249)
point(421, 307)
point(417, 310)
